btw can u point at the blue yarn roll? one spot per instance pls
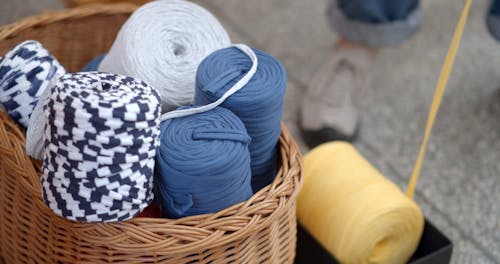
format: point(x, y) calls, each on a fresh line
point(258, 104)
point(93, 65)
point(202, 164)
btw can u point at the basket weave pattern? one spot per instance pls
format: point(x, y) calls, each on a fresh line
point(76, 3)
point(260, 230)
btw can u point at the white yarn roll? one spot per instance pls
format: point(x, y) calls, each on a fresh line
point(162, 43)
point(35, 134)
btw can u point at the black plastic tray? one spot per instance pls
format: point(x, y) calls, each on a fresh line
point(434, 248)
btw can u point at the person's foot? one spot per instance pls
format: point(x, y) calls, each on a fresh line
point(327, 111)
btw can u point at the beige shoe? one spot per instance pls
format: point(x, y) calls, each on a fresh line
point(327, 112)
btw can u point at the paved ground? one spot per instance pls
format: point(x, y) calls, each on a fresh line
point(459, 189)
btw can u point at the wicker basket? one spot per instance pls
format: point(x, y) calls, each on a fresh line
point(75, 3)
point(261, 230)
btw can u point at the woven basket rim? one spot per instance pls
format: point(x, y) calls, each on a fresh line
point(201, 226)
point(184, 234)
point(54, 16)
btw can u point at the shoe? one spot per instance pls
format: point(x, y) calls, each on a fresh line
point(327, 111)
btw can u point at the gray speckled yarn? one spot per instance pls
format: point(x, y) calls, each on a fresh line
point(162, 43)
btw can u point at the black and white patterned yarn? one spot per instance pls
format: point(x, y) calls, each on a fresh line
point(25, 72)
point(101, 138)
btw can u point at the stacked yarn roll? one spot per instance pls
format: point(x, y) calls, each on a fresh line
point(162, 43)
point(203, 163)
point(357, 214)
point(213, 170)
point(100, 146)
point(258, 104)
point(25, 72)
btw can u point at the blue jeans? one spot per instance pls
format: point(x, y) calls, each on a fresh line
point(387, 22)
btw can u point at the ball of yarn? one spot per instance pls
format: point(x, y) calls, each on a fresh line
point(162, 43)
point(258, 104)
point(25, 72)
point(101, 138)
point(203, 163)
point(357, 214)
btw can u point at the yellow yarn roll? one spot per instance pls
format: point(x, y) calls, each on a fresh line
point(357, 214)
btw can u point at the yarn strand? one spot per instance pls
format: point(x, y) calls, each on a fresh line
point(438, 95)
